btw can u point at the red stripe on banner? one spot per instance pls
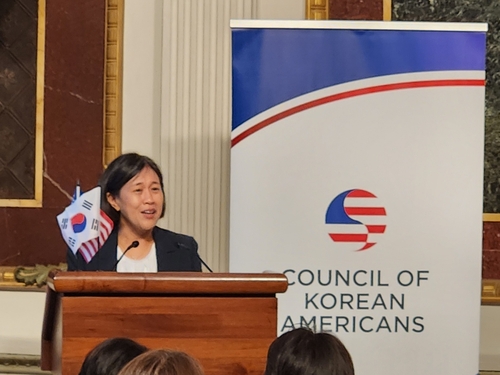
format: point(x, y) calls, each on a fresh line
point(376, 228)
point(367, 246)
point(348, 237)
point(360, 194)
point(354, 93)
point(368, 211)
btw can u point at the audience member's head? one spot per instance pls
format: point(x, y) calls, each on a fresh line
point(303, 352)
point(163, 362)
point(109, 357)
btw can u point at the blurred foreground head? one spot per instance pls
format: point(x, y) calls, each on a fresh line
point(163, 362)
point(109, 357)
point(303, 352)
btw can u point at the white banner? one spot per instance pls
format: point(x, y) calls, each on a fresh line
point(357, 169)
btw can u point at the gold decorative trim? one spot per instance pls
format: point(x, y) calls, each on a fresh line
point(20, 364)
point(40, 77)
point(7, 278)
point(387, 10)
point(317, 9)
point(27, 278)
point(491, 292)
point(491, 217)
point(24, 203)
point(113, 81)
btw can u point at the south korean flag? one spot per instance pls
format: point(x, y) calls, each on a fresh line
point(79, 223)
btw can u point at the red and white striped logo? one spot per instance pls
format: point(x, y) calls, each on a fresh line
point(356, 219)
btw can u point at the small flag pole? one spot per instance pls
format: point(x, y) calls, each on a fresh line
point(77, 189)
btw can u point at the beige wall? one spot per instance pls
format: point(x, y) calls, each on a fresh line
point(490, 339)
point(143, 52)
point(176, 105)
point(21, 316)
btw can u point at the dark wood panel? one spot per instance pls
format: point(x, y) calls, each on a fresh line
point(78, 306)
point(200, 317)
point(243, 353)
point(229, 335)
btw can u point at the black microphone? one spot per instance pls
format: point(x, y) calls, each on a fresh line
point(197, 255)
point(132, 245)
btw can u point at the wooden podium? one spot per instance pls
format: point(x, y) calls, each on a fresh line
point(226, 321)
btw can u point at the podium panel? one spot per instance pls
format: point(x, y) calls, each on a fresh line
point(226, 321)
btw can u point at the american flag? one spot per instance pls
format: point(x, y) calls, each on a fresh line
point(105, 226)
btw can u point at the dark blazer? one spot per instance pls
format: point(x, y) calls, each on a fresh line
point(174, 252)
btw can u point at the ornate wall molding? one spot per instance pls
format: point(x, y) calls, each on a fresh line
point(387, 10)
point(491, 217)
point(491, 292)
point(317, 9)
point(20, 364)
point(113, 81)
point(26, 278)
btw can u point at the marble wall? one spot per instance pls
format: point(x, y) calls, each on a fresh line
point(355, 10)
point(73, 127)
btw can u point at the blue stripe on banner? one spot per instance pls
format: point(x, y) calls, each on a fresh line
point(271, 66)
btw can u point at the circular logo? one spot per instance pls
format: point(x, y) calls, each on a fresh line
point(355, 219)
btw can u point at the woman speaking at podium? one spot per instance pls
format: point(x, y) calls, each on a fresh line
point(133, 197)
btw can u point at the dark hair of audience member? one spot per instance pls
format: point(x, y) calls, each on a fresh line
point(163, 362)
point(303, 352)
point(109, 357)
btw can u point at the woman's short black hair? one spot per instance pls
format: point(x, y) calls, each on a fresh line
point(110, 356)
point(303, 352)
point(119, 172)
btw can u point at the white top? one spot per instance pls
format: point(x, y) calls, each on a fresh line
point(146, 264)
